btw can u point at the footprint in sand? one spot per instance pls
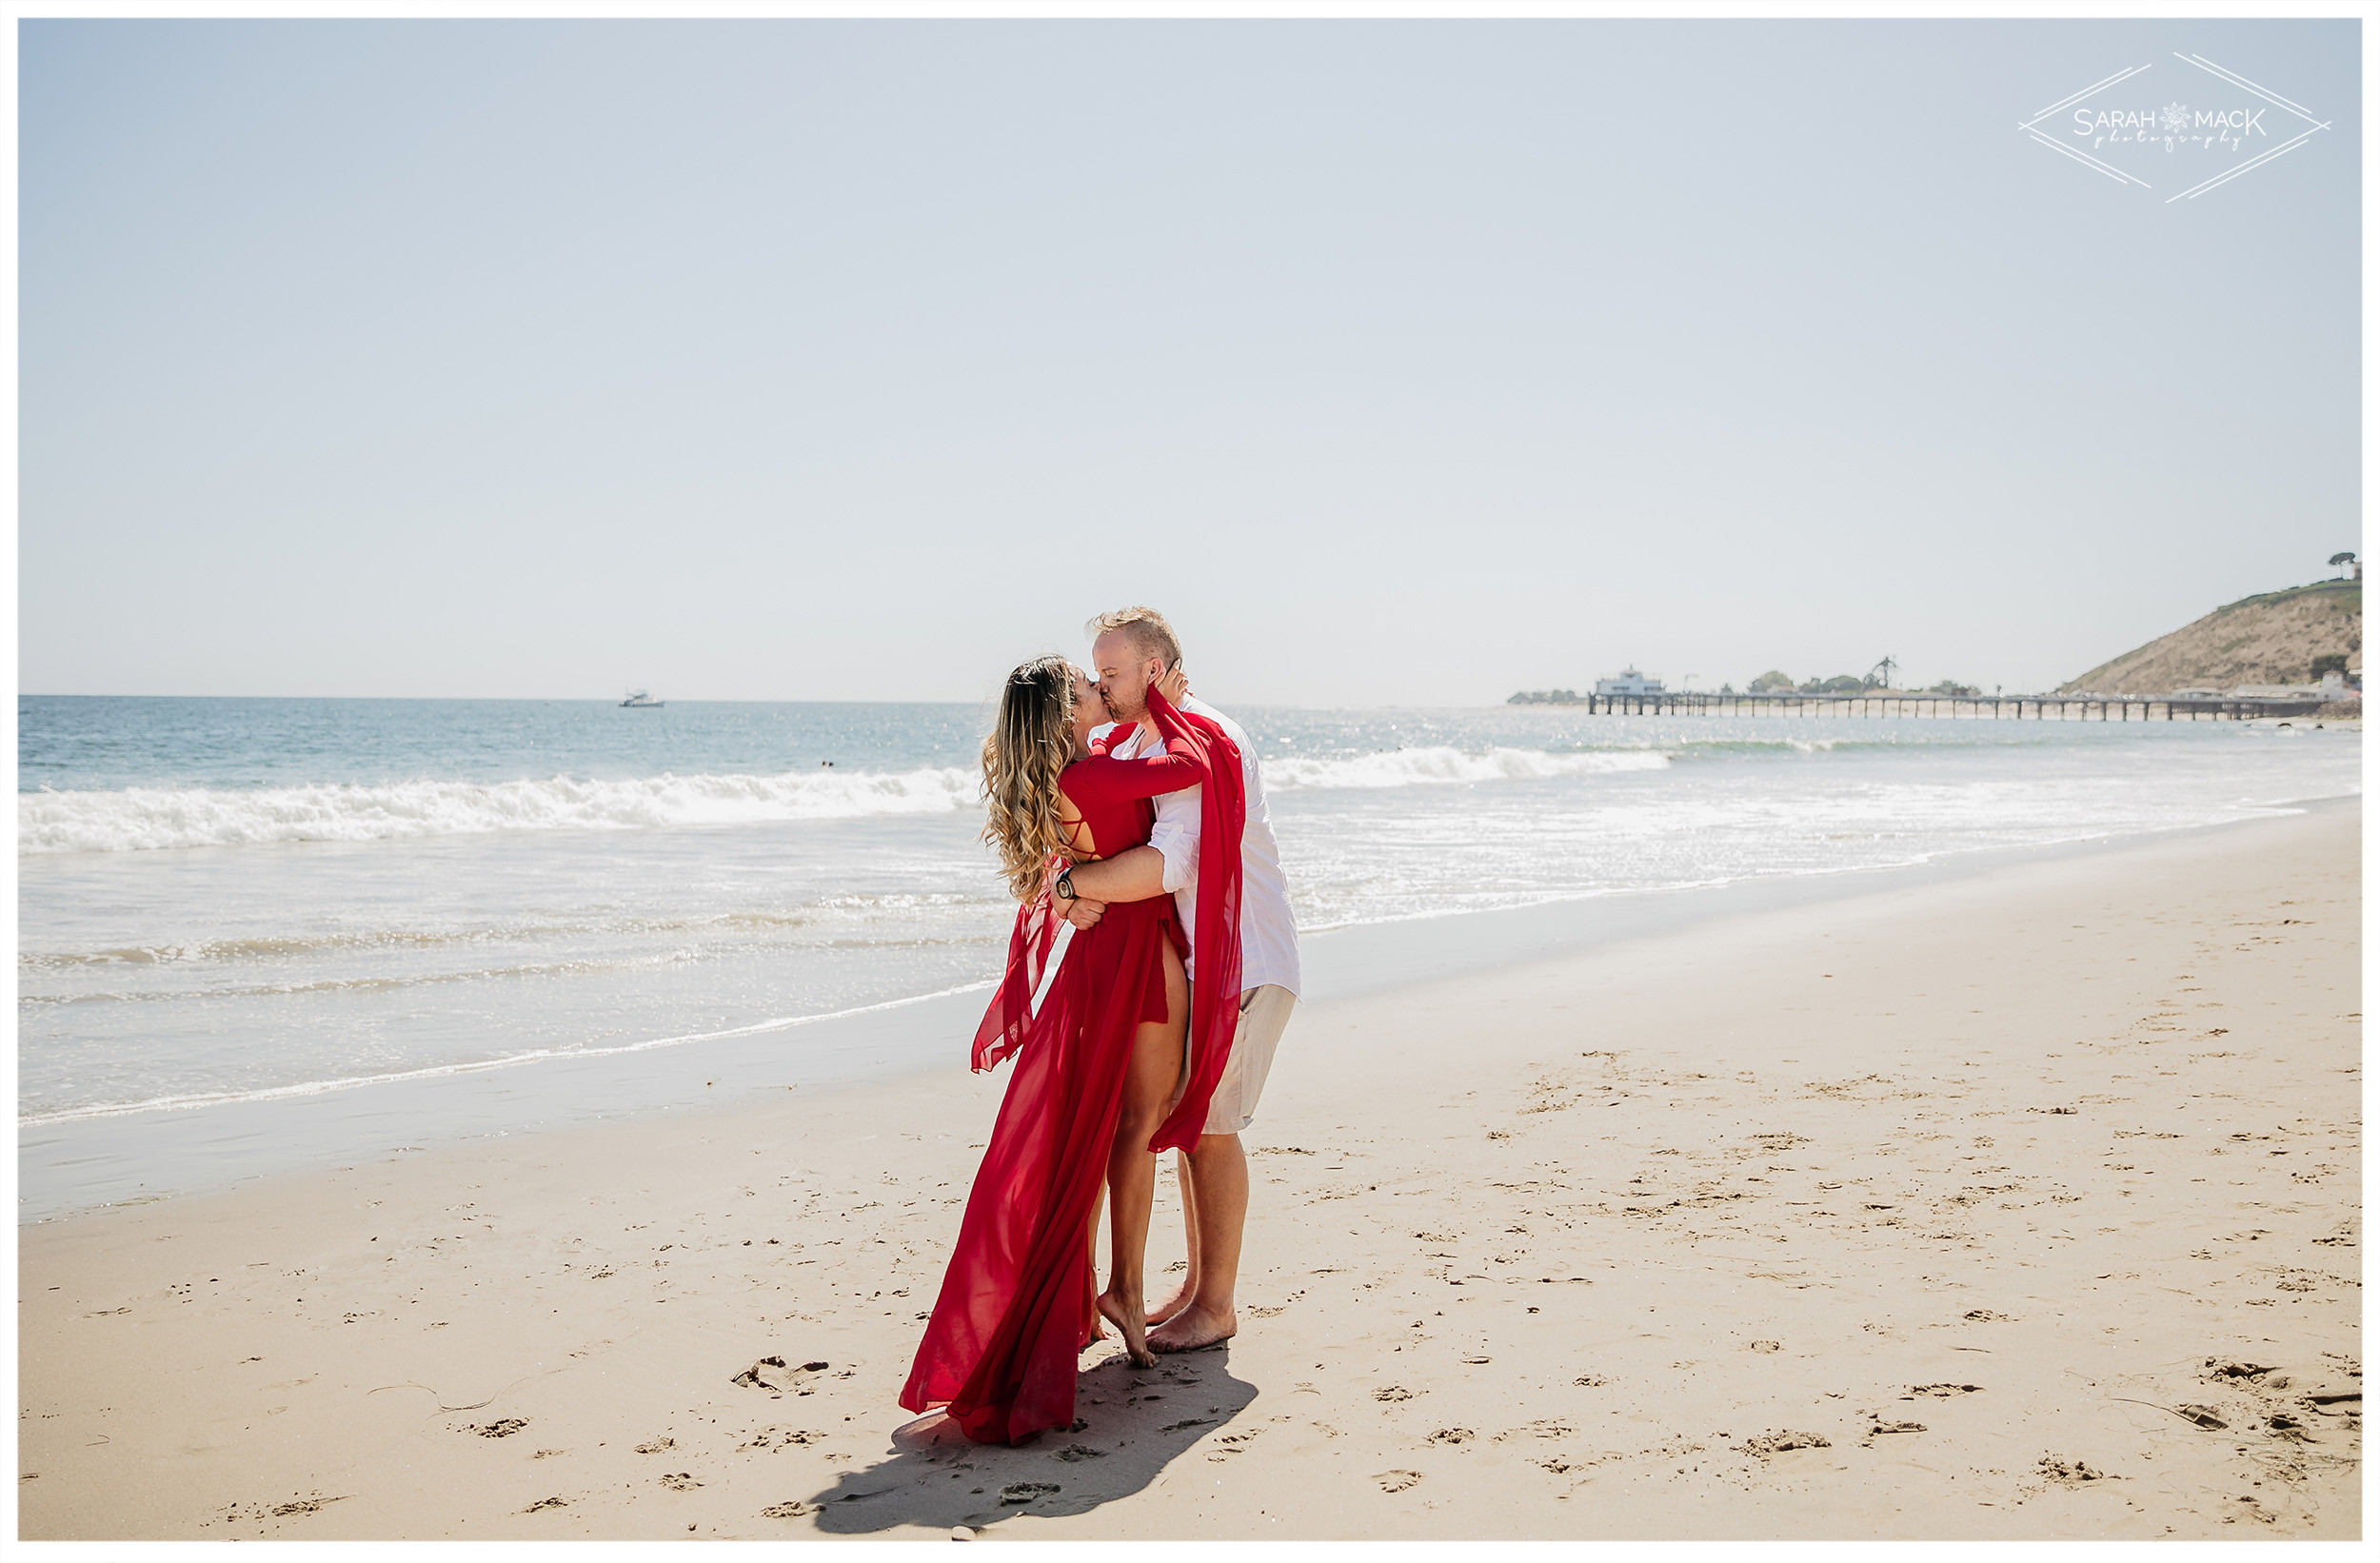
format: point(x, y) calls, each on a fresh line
point(1767, 1346)
point(1398, 1481)
point(771, 1374)
point(657, 1446)
point(1025, 1492)
point(1453, 1435)
point(546, 1503)
point(1393, 1391)
point(1942, 1392)
point(788, 1511)
point(680, 1482)
point(2068, 1472)
point(501, 1428)
point(302, 1505)
point(1778, 1442)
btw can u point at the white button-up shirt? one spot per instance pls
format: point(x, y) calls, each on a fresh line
point(1268, 933)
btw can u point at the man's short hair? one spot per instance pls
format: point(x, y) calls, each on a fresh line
point(1146, 627)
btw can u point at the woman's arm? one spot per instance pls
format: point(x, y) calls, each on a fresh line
point(1105, 780)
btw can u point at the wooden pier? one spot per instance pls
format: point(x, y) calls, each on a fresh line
point(1944, 708)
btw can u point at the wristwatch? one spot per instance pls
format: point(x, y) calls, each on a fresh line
point(1065, 884)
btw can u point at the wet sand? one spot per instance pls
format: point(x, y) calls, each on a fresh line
point(2023, 1204)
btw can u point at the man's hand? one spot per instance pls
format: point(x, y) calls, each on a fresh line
point(1081, 912)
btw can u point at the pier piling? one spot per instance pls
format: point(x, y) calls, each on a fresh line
point(1947, 707)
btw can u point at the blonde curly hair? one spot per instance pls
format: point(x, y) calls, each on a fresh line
point(1030, 744)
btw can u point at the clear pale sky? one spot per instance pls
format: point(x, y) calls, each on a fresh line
point(1398, 363)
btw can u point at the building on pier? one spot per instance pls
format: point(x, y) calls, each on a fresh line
point(1629, 682)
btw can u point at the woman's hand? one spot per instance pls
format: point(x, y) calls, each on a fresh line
point(1174, 685)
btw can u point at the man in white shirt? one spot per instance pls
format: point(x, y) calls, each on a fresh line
point(1130, 648)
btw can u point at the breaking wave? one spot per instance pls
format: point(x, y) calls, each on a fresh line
point(146, 818)
point(141, 818)
point(1441, 765)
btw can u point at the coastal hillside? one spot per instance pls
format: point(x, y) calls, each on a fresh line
point(2269, 638)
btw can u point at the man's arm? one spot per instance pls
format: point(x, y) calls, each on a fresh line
point(1136, 875)
point(1176, 836)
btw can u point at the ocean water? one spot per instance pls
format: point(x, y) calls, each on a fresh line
point(232, 901)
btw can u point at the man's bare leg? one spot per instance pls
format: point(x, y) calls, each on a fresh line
point(1179, 1296)
point(1218, 1172)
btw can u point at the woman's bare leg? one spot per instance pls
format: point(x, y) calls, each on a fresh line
point(1151, 1077)
point(1091, 1252)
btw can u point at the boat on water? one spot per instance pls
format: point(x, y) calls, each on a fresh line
point(642, 700)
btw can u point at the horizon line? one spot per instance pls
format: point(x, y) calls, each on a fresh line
point(702, 700)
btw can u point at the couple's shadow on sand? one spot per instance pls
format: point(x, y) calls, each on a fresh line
point(1131, 1423)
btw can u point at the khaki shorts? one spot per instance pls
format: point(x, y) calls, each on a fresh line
point(1264, 1016)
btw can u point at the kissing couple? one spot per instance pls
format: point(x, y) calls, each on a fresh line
point(1151, 972)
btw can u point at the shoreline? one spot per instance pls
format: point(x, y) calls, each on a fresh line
point(1887, 1226)
point(72, 1167)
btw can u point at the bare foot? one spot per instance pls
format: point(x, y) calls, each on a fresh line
point(1192, 1329)
point(1173, 1304)
point(1126, 1315)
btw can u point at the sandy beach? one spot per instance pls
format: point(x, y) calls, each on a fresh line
point(2020, 1205)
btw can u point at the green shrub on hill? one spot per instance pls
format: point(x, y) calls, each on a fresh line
point(2265, 639)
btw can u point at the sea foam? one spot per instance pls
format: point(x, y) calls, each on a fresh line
point(137, 819)
point(142, 818)
point(1444, 765)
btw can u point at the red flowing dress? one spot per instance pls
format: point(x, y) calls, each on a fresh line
point(1018, 1302)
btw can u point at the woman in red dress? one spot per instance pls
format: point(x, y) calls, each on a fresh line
point(1116, 1055)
